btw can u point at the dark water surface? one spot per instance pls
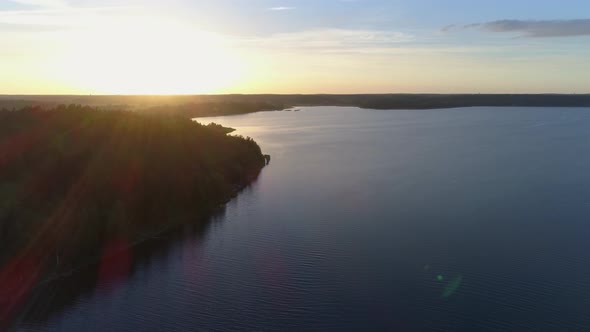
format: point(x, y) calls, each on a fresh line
point(460, 219)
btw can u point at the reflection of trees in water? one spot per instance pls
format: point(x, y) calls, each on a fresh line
point(57, 295)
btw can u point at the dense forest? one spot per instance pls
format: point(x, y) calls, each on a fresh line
point(186, 106)
point(74, 180)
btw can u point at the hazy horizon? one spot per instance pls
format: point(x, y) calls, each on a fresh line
point(81, 47)
point(276, 94)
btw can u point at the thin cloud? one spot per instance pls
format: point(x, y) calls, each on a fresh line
point(281, 8)
point(448, 28)
point(329, 40)
point(42, 3)
point(54, 19)
point(532, 28)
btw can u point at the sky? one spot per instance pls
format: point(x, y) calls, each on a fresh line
point(294, 46)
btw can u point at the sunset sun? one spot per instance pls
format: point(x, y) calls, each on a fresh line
point(148, 56)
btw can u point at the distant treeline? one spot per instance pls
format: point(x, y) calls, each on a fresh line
point(181, 105)
point(213, 105)
point(74, 179)
point(419, 101)
point(450, 101)
point(202, 109)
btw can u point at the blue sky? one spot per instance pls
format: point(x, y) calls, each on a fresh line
point(294, 46)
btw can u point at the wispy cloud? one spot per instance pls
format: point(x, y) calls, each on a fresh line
point(329, 39)
point(42, 3)
point(66, 17)
point(281, 8)
point(532, 28)
point(448, 28)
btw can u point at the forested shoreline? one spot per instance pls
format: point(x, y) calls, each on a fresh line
point(77, 182)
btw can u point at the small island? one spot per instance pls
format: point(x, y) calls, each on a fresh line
point(74, 180)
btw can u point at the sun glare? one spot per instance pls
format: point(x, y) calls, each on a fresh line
point(149, 56)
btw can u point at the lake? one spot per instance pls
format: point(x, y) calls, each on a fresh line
point(467, 219)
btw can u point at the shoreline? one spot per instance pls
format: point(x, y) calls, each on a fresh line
point(143, 238)
point(198, 106)
point(102, 183)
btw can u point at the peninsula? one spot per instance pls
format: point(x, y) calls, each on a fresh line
point(76, 181)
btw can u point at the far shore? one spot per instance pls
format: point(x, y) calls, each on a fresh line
point(195, 106)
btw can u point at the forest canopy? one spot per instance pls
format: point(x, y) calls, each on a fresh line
point(74, 178)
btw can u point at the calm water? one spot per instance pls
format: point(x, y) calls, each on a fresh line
point(460, 219)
